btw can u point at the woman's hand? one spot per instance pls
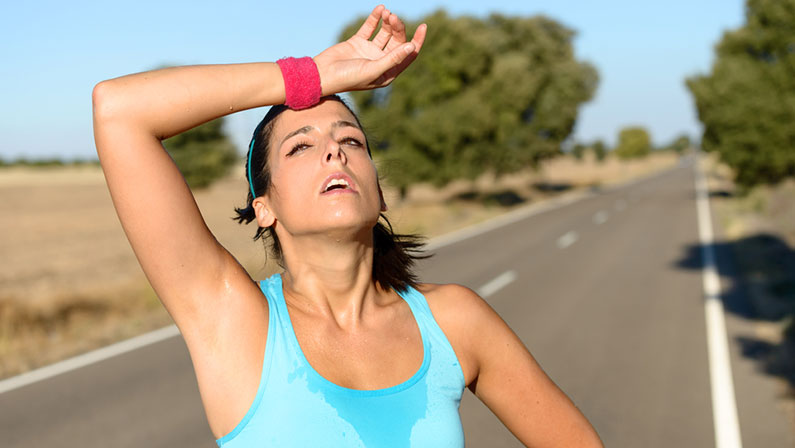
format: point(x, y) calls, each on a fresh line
point(362, 64)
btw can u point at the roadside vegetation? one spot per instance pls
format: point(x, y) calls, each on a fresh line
point(45, 162)
point(747, 106)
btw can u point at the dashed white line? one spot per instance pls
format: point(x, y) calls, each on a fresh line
point(567, 240)
point(600, 217)
point(499, 282)
point(724, 406)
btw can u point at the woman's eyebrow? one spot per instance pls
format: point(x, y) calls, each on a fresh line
point(303, 130)
point(344, 123)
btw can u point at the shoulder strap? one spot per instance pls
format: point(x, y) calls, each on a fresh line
point(416, 300)
point(271, 287)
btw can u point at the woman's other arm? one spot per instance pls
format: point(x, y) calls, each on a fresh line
point(505, 377)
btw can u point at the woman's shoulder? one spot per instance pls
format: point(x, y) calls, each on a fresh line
point(451, 298)
point(460, 312)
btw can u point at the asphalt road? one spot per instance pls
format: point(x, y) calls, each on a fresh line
point(606, 292)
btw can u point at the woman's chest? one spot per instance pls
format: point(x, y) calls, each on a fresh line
point(372, 357)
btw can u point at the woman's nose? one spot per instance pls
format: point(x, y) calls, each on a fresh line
point(334, 152)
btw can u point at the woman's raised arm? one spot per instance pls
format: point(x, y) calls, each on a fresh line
point(134, 113)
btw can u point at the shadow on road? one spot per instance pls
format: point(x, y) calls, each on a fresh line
point(552, 187)
point(503, 198)
point(758, 278)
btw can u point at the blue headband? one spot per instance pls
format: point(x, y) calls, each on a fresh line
point(250, 178)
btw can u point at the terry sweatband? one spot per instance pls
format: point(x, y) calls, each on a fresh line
point(301, 82)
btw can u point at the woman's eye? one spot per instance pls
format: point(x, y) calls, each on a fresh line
point(298, 147)
point(351, 141)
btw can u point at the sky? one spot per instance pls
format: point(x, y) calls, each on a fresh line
point(53, 53)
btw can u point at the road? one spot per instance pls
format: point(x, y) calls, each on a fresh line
point(606, 292)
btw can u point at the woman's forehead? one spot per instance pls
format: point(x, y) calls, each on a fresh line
point(329, 113)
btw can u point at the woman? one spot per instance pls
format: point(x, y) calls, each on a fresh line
point(327, 353)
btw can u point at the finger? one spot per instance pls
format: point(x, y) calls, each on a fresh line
point(383, 36)
point(419, 37)
point(398, 33)
point(369, 25)
point(379, 67)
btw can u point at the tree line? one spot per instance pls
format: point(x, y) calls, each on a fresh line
point(501, 93)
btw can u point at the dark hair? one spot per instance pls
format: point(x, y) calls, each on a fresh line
point(394, 254)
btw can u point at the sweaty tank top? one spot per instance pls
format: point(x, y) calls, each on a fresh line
point(296, 407)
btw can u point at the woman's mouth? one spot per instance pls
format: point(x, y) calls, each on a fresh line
point(338, 183)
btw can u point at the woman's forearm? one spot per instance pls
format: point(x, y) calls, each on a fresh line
point(169, 101)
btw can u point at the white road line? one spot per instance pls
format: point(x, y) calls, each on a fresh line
point(567, 240)
point(499, 282)
point(92, 357)
point(508, 218)
point(620, 205)
point(600, 217)
point(724, 407)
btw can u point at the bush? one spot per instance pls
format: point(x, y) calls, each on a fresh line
point(633, 142)
point(599, 150)
point(203, 154)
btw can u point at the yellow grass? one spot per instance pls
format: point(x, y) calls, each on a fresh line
point(69, 281)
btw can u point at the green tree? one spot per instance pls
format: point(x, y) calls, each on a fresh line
point(747, 102)
point(679, 145)
point(633, 142)
point(578, 151)
point(496, 94)
point(599, 150)
point(203, 154)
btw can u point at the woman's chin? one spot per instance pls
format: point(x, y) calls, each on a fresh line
point(338, 226)
point(350, 228)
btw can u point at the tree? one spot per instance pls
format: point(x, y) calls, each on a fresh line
point(203, 154)
point(496, 94)
point(578, 151)
point(599, 150)
point(633, 142)
point(679, 145)
point(747, 102)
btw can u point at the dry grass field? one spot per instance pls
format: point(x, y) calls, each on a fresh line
point(69, 281)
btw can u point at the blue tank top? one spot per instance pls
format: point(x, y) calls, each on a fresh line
point(296, 407)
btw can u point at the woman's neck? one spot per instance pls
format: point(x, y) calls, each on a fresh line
point(330, 277)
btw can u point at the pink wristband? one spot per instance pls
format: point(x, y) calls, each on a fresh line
point(301, 82)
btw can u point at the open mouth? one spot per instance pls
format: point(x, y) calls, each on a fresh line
point(338, 182)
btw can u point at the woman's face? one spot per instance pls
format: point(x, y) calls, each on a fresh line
point(323, 180)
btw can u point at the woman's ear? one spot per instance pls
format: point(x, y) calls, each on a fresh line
point(265, 217)
point(381, 195)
